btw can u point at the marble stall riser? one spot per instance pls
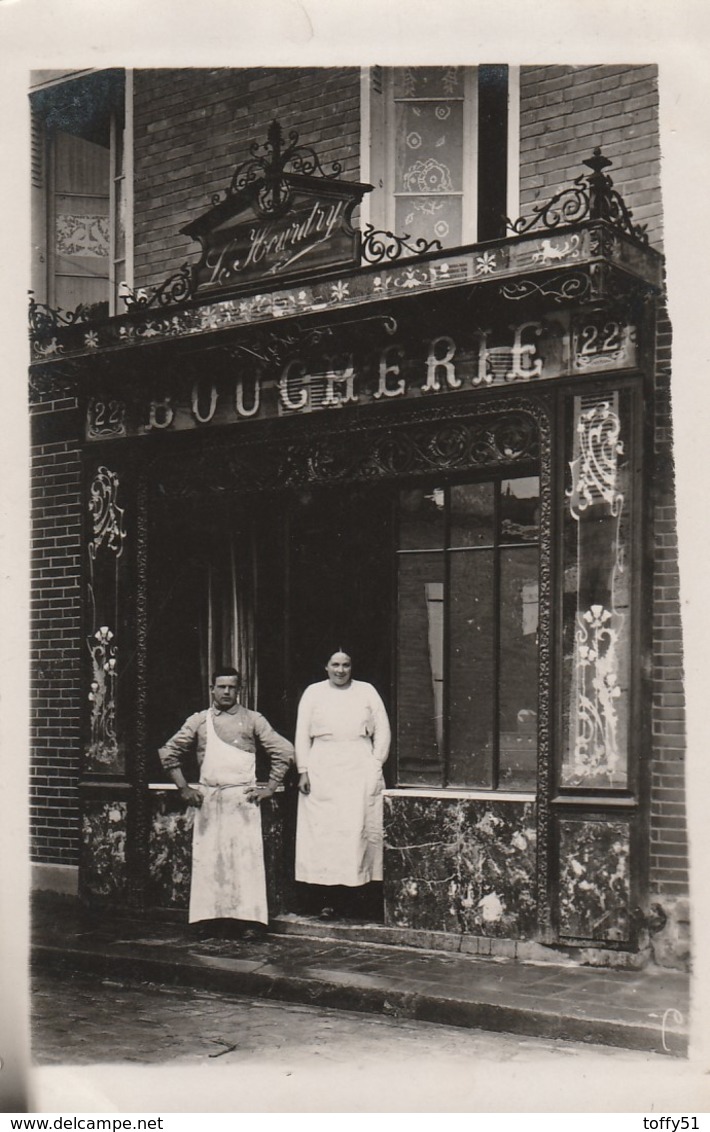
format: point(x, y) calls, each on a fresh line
point(595, 897)
point(460, 866)
point(103, 875)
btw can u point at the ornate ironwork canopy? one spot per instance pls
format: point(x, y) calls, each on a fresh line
point(581, 246)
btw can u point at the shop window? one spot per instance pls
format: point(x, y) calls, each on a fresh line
point(598, 571)
point(441, 151)
point(82, 183)
point(467, 677)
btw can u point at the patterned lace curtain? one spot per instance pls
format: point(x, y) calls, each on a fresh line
point(227, 627)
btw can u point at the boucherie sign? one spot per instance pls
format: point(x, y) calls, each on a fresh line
point(377, 374)
point(277, 219)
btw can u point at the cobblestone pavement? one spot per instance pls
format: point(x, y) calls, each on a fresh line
point(82, 1020)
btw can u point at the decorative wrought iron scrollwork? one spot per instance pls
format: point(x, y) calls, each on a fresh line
point(379, 246)
point(589, 197)
point(177, 288)
point(267, 166)
point(562, 288)
point(45, 320)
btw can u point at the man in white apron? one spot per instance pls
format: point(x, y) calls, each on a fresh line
point(228, 878)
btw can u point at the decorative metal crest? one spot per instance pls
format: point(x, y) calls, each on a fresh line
point(270, 161)
point(590, 197)
point(176, 289)
point(378, 246)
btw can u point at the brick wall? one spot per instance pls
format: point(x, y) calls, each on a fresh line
point(55, 642)
point(566, 111)
point(669, 850)
point(191, 127)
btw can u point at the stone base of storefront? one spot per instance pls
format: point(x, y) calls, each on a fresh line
point(63, 879)
point(525, 951)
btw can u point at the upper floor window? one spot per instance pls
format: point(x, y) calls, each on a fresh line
point(441, 151)
point(81, 189)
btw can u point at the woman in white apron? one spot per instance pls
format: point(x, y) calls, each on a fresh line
point(342, 742)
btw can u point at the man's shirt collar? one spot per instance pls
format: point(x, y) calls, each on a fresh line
point(226, 711)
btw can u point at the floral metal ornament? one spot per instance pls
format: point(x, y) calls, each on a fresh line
point(589, 197)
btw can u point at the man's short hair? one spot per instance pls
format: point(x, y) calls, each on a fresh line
point(226, 671)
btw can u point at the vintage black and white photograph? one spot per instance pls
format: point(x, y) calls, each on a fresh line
point(357, 701)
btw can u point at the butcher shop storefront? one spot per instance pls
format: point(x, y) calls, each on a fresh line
point(437, 460)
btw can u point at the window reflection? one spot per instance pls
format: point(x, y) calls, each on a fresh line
point(421, 519)
point(520, 510)
point(472, 515)
point(420, 674)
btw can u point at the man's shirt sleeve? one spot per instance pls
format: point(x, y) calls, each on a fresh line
point(280, 751)
point(182, 743)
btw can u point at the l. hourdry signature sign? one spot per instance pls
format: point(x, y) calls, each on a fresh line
point(239, 245)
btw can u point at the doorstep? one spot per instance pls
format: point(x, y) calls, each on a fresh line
point(526, 951)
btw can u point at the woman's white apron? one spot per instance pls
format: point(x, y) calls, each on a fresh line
point(228, 876)
point(339, 831)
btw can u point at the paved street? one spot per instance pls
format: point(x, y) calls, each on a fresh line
point(82, 1020)
point(104, 1045)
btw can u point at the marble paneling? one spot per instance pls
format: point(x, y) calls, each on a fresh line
point(170, 850)
point(103, 850)
point(594, 880)
point(460, 865)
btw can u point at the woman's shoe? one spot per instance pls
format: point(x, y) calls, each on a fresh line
point(327, 914)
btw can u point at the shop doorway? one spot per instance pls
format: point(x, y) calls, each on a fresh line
point(341, 585)
point(340, 597)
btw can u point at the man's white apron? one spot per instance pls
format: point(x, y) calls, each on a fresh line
point(228, 877)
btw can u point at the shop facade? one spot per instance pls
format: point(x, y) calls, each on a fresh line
point(443, 459)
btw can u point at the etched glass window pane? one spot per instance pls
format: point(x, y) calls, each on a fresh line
point(429, 218)
point(421, 519)
point(471, 512)
point(596, 614)
point(420, 675)
point(429, 147)
point(471, 668)
point(428, 82)
point(518, 667)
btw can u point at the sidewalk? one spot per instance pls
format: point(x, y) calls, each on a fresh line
point(644, 1010)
